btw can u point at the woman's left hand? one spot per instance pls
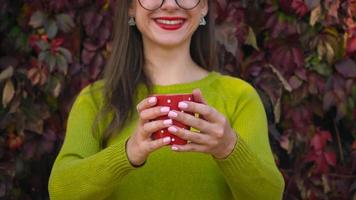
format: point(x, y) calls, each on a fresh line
point(216, 136)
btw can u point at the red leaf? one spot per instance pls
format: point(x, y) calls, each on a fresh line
point(330, 158)
point(320, 139)
point(351, 46)
point(347, 68)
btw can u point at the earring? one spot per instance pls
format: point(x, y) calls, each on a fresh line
point(202, 21)
point(132, 21)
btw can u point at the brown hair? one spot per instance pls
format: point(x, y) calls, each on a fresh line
point(124, 70)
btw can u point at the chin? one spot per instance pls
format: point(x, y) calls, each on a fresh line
point(172, 41)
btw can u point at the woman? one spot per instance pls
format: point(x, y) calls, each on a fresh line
point(165, 46)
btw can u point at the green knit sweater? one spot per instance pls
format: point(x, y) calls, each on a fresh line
point(83, 170)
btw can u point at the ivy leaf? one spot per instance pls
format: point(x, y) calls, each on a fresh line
point(38, 19)
point(330, 158)
point(62, 63)
point(251, 39)
point(312, 3)
point(320, 139)
point(43, 45)
point(347, 68)
point(8, 93)
point(66, 53)
point(51, 29)
point(7, 73)
point(315, 15)
point(64, 22)
point(226, 37)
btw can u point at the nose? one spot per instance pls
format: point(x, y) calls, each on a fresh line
point(169, 4)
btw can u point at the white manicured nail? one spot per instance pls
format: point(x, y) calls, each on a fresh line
point(166, 139)
point(167, 122)
point(172, 129)
point(174, 148)
point(165, 109)
point(172, 114)
point(152, 99)
point(182, 105)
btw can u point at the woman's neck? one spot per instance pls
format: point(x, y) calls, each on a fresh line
point(171, 65)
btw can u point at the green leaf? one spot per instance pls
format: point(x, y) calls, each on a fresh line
point(51, 62)
point(43, 56)
point(351, 103)
point(38, 19)
point(43, 45)
point(18, 39)
point(62, 63)
point(353, 91)
point(314, 63)
point(51, 29)
point(66, 53)
point(64, 22)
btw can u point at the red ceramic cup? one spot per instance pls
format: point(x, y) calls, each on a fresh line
point(172, 100)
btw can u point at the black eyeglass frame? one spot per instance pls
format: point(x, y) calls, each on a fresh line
point(139, 1)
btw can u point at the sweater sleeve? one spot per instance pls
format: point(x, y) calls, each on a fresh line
point(83, 170)
point(250, 170)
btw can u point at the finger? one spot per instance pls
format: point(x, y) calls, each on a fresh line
point(156, 144)
point(198, 96)
point(146, 103)
point(191, 147)
point(209, 113)
point(191, 120)
point(185, 134)
point(153, 113)
point(150, 127)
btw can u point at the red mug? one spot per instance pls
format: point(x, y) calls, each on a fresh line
point(171, 101)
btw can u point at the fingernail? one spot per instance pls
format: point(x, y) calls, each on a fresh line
point(167, 122)
point(164, 109)
point(172, 114)
point(182, 105)
point(152, 99)
point(166, 139)
point(174, 148)
point(172, 129)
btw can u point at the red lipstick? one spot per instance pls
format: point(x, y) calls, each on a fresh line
point(170, 23)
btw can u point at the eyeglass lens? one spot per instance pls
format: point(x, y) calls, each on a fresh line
point(155, 4)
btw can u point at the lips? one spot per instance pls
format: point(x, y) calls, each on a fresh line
point(170, 23)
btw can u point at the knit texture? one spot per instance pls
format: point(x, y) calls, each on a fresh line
point(83, 170)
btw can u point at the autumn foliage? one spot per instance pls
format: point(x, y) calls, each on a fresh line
point(299, 54)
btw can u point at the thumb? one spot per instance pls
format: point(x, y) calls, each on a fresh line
point(198, 96)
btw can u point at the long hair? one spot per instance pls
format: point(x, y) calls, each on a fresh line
point(125, 67)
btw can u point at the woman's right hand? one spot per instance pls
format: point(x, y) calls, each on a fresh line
point(140, 144)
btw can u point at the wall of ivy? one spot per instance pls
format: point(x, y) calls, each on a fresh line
point(299, 54)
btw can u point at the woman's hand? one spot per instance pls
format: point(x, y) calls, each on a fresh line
point(140, 144)
point(216, 136)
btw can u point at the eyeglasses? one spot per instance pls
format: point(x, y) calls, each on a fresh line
point(155, 4)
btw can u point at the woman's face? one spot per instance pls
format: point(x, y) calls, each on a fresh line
point(169, 25)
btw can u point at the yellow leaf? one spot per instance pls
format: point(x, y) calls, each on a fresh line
point(7, 73)
point(315, 15)
point(284, 82)
point(321, 49)
point(57, 89)
point(251, 39)
point(8, 93)
point(330, 53)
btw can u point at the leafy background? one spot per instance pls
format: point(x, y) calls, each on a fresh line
point(299, 54)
